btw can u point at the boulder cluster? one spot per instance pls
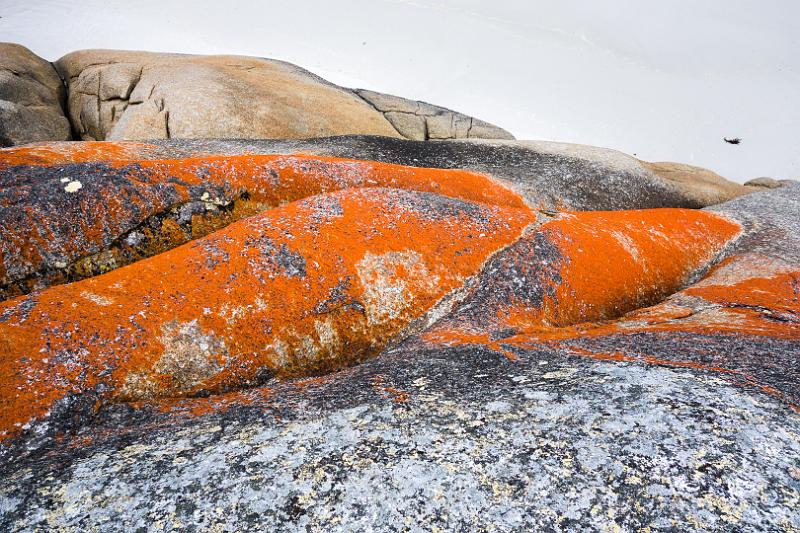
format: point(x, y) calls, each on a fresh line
point(369, 313)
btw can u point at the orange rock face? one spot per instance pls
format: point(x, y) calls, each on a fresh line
point(304, 288)
point(602, 273)
point(59, 153)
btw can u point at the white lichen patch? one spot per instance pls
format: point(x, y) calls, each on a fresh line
point(390, 281)
point(73, 186)
point(627, 243)
point(96, 298)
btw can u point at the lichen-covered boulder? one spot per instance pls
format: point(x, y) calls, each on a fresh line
point(307, 287)
point(31, 98)
point(618, 371)
point(547, 173)
point(110, 213)
point(115, 95)
point(356, 333)
point(73, 210)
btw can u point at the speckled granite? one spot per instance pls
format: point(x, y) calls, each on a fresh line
point(549, 442)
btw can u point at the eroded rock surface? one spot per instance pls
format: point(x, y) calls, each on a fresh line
point(31, 98)
point(420, 121)
point(382, 345)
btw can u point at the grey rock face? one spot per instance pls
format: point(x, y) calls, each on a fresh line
point(31, 98)
point(420, 121)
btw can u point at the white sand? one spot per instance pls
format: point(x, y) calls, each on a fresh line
point(663, 80)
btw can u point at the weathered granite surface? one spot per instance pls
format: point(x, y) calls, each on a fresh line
point(114, 95)
point(601, 371)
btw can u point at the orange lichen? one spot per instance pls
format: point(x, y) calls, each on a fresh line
point(277, 179)
point(56, 153)
point(387, 391)
point(284, 290)
point(193, 407)
point(609, 263)
point(460, 337)
point(265, 180)
point(623, 260)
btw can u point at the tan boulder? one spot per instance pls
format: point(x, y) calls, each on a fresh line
point(31, 98)
point(116, 95)
point(765, 183)
point(705, 186)
point(142, 95)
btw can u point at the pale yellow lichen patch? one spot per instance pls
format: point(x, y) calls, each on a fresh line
point(292, 348)
point(386, 279)
point(281, 351)
point(73, 186)
point(190, 357)
point(327, 335)
point(96, 298)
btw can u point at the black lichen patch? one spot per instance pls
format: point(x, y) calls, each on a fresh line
point(276, 260)
point(522, 275)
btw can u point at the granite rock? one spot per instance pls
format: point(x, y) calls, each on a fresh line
point(31, 98)
point(529, 336)
point(678, 415)
point(114, 95)
point(73, 210)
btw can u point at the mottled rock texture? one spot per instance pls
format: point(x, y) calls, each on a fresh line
point(73, 210)
point(116, 95)
point(367, 333)
point(31, 98)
